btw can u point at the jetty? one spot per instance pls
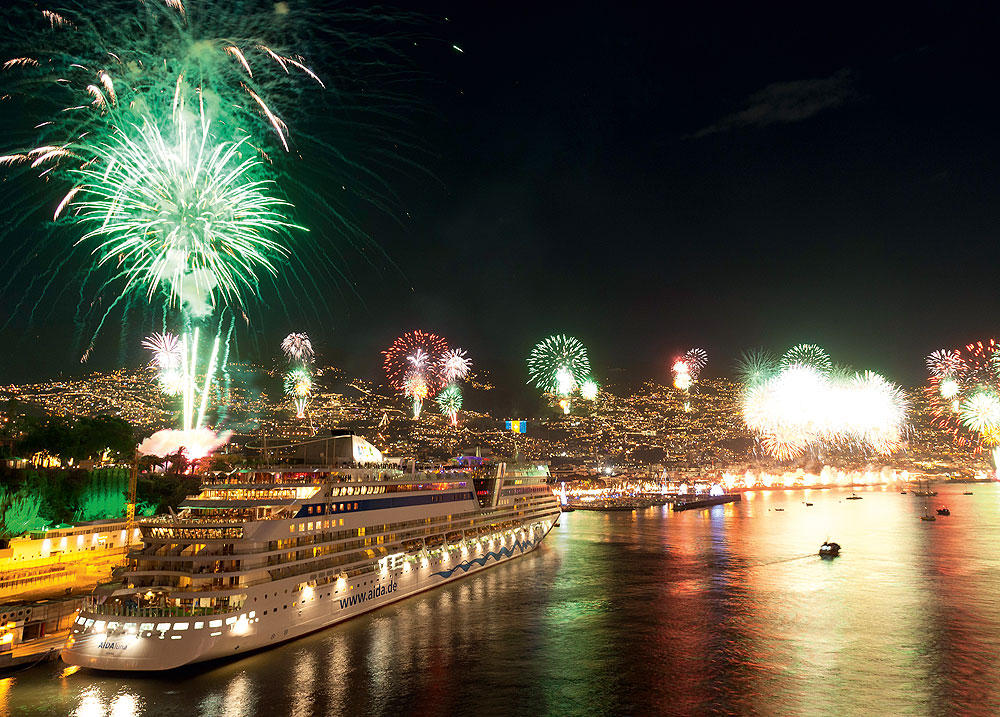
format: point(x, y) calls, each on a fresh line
point(682, 503)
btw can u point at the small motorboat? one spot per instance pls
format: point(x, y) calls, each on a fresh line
point(779, 510)
point(853, 496)
point(829, 550)
point(567, 508)
point(808, 504)
point(943, 511)
point(968, 492)
point(902, 492)
point(927, 517)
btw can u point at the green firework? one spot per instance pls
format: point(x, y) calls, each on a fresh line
point(179, 214)
point(558, 364)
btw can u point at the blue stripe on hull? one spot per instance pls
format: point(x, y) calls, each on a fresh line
point(502, 553)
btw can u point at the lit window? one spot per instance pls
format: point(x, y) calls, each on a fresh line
point(199, 625)
point(181, 625)
point(215, 623)
point(230, 620)
point(163, 626)
point(146, 626)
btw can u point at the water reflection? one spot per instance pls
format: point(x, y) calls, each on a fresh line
point(728, 609)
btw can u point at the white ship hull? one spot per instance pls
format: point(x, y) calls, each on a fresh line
point(277, 612)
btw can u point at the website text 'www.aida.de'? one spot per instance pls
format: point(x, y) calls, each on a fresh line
point(362, 596)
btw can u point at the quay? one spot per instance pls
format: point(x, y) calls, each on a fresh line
point(707, 501)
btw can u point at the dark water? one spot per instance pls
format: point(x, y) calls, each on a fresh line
point(727, 610)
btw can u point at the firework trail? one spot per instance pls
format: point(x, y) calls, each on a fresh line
point(799, 402)
point(413, 366)
point(964, 394)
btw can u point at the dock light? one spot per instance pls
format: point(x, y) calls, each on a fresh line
point(8, 637)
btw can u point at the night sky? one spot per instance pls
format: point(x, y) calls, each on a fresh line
point(654, 178)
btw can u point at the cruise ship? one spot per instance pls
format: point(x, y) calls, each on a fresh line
point(266, 555)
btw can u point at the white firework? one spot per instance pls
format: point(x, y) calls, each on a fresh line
point(455, 365)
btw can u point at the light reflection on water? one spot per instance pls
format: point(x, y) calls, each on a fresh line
point(725, 610)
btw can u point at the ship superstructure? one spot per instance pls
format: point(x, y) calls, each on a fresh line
point(262, 556)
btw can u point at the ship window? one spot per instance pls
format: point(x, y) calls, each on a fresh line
point(199, 625)
point(163, 626)
point(230, 620)
point(146, 626)
point(291, 528)
point(215, 623)
point(181, 625)
point(302, 526)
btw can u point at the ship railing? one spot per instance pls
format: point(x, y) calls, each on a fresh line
point(129, 611)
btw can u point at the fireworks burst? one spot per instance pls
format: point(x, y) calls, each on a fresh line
point(298, 347)
point(688, 367)
point(166, 349)
point(178, 215)
point(755, 366)
point(450, 402)
point(166, 359)
point(799, 403)
point(589, 389)
point(413, 366)
point(807, 355)
point(298, 385)
point(455, 365)
point(557, 365)
point(686, 371)
point(944, 363)
point(964, 395)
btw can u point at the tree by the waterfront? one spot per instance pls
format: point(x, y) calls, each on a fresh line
point(77, 439)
